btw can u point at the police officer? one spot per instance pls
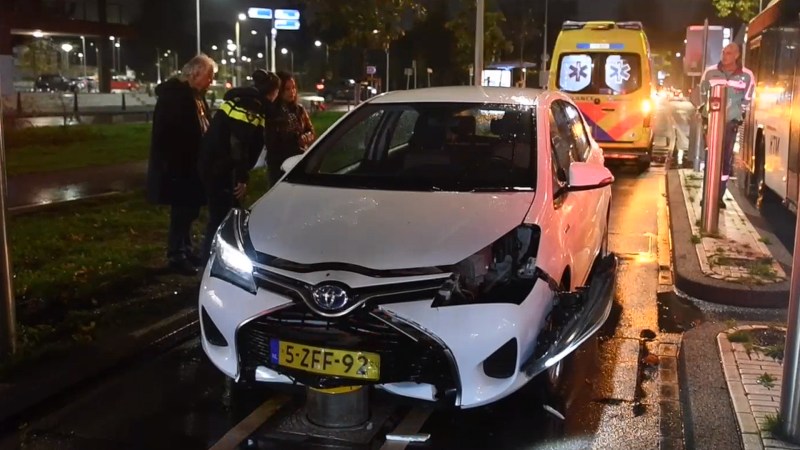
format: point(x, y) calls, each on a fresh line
point(232, 146)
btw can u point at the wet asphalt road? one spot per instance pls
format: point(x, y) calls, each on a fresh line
point(179, 400)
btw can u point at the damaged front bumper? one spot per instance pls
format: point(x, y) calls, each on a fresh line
point(576, 317)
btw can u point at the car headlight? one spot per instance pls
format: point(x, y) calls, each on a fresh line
point(232, 253)
point(502, 272)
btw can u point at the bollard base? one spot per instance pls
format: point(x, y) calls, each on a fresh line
point(344, 407)
point(295, 426)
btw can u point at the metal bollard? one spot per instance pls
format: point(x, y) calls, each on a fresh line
point(696, 140)
point(344, 407)
point(717, 105)
point(8, 305)
point(790, 387)
point(123, 102)
point(75, 102)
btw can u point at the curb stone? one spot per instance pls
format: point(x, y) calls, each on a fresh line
point(688, 275)
point(752, 401)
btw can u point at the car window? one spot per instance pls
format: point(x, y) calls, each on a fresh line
point(578, 129)
point(426, 146)
point(404, 128)
point(351, 147)
point(561, 151)
point(568, 143)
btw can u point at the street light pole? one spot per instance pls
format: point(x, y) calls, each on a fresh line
point(273, 47)
point(386, 88)
point(197, 9)
point(118, 46)
point(479, 13)
point(266, 51)
point(545, 56)
point(83, 44)
point(158, 65)
point(8, 320)
point(238, 56)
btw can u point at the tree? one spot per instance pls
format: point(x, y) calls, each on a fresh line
point(39, 57)
point(494, 40)
point(364, 24)
point(743, 9)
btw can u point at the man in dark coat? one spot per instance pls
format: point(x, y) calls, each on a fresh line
point(232, 146)
point(180, 120)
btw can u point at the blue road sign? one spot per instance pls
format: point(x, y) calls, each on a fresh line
point(283, 24)
point(259, 13)
point(287, 14)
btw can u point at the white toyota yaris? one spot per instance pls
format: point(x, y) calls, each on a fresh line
point(446, 244)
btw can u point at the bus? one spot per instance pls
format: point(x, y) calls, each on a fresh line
point(606, 68)
point(769, 157)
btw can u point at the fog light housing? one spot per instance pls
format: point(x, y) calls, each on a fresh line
point(210, 330)
point(503, 362)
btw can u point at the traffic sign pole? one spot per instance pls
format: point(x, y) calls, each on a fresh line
point(478, 67)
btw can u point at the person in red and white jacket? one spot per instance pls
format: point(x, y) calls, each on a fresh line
point(740, 82)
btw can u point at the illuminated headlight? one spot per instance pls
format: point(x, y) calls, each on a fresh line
point(232, 253)
point(504, 271)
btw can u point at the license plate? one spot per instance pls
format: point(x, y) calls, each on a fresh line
point(326, 361)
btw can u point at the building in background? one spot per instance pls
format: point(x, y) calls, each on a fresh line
point(64, 27)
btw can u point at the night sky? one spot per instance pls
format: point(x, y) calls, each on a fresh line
point(171, 25)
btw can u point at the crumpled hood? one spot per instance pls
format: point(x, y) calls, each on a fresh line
point(381, 230)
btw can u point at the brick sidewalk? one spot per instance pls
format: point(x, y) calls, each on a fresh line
point(738, 254)
point(753, 399)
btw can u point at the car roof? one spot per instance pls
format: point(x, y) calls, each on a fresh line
point(463, 94)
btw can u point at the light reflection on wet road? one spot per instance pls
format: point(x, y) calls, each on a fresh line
point(179, 400)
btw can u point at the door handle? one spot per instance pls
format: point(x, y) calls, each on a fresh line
point(609, 109)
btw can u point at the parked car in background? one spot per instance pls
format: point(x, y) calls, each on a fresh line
point(52, 82)
point(121, 83)
point(343, 89)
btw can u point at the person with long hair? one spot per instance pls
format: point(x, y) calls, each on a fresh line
point(291, 132)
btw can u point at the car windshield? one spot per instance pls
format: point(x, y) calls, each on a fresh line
point(426, 147)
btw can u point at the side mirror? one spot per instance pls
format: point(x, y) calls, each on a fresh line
point(290, 162)
point(585, 176)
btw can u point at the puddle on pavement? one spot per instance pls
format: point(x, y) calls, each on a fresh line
point(676, 315)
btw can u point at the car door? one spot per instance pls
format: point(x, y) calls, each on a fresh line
point(596, 200)
point(574, 207)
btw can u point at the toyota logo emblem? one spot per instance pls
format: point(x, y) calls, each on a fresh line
point(330, 297)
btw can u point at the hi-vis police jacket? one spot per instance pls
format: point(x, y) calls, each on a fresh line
point(234, 139)
point(740, 84)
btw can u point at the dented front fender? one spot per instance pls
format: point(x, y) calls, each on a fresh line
point(577, 316)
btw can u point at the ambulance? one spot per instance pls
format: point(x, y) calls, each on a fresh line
point(605, 68)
